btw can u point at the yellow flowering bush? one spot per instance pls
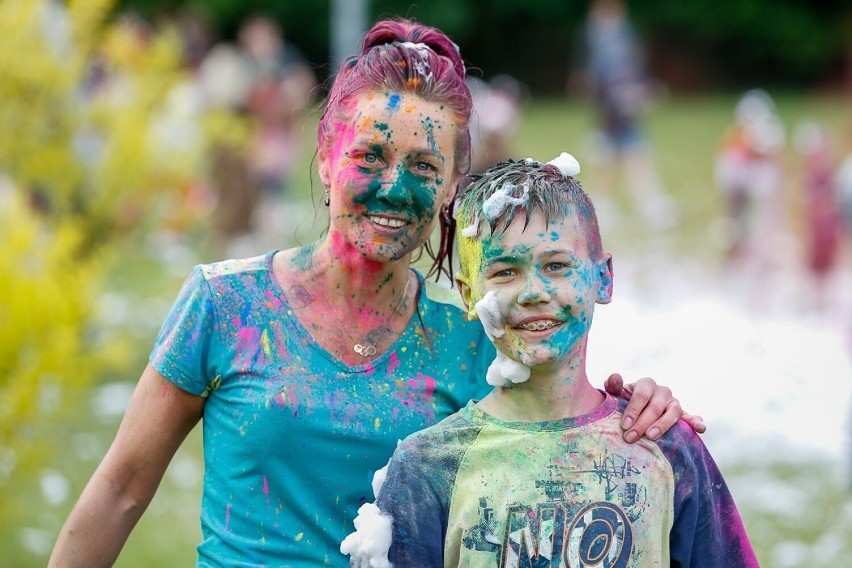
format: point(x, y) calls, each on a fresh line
point(99, 135)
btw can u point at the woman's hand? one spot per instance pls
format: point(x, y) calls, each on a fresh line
point(651, 409)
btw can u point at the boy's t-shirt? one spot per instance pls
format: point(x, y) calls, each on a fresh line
point(292, 435)
point(475, 491)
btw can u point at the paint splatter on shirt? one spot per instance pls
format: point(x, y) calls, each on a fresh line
point(475, 491)
point(292, 435)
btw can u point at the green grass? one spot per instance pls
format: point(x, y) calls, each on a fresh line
point(797, 514)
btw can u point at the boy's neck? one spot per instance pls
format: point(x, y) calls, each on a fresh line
point(551, 394)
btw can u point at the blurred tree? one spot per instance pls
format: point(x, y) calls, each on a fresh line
point(88, 149)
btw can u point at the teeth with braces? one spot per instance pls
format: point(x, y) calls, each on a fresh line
point(539, 325)
point(392, 223)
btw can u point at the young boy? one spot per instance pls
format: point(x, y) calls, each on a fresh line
point(536, 473)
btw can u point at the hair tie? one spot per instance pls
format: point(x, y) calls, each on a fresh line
point(418, 46)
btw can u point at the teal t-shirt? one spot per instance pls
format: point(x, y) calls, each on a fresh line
point(292, 435)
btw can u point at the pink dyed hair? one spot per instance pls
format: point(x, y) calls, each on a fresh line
point(388, 62)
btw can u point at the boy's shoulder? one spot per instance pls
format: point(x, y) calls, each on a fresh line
point(453, 433)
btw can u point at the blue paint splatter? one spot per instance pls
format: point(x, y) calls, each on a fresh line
point(393, 101)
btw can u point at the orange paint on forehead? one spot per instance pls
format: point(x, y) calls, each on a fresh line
point(409, 108)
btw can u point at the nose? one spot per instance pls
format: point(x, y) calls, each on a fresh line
point(534, 291)
point(394, 190)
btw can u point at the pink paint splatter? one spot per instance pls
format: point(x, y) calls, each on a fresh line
point(429, 384)
point(273, 302)
point(393, 363)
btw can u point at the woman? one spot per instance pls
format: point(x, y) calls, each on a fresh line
point(308, 364)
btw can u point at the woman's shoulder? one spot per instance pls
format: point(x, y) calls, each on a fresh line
point(236, 266)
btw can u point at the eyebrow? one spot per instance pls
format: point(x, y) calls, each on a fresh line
point(548, 253)
point(421, 151)
point(503, 259)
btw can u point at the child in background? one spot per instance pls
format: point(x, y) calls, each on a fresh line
point(536, 473)
point(823, 230)
point(748, 171)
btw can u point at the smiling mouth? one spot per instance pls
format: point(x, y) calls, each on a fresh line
point(539, 325)
point(386, 222)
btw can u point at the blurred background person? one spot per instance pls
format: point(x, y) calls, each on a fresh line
point(281, 83)
point(496, 118)
point(266, 80)
point(749, 173)
point(612, 71)
point(821, 214)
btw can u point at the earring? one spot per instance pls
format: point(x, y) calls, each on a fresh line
point(327, 199)
point(446, 219)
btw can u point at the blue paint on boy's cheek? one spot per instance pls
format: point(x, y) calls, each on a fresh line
point(567, 335)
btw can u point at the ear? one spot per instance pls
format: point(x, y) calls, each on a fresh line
point(324, 167)
point(453, 189)
point(467, 297)
point(606, 276)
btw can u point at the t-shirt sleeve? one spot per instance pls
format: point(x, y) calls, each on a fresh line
point(181, 352)
point(418, 507)
point(707, 530)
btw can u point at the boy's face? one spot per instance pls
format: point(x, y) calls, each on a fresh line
point(546, 287)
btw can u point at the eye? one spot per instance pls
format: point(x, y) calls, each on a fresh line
point(557, 266)
point(371, 158)
point(503, 273)
point(424, 167)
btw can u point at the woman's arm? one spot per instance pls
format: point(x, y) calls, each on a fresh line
point(651, 409)
point(158, 419)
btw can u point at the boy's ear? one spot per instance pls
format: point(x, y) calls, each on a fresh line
point(606, 275)
point(467, 298)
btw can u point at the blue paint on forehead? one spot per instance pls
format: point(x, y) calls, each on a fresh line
point(393, 101)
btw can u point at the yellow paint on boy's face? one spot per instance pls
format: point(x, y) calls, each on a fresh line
point(546, 283)
point(470, 261)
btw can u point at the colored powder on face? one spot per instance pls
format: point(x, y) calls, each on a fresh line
point(393, 101)
point(503, 371)
point(470, 261)
point(430, 134)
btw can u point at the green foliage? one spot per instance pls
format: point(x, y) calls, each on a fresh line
point(83, 164)
point(733, 43)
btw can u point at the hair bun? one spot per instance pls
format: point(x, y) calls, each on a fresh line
point(407, 31)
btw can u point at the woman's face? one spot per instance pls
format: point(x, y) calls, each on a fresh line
point(389, 168)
